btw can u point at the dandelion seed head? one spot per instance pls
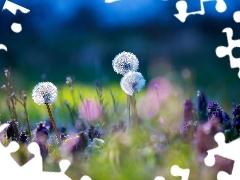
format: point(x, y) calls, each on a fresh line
point(44, 93)
point(132, 82)
point(125, 62)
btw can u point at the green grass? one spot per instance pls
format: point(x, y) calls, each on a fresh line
point(138, 155)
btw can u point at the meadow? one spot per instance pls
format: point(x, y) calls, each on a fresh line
point(99, 142)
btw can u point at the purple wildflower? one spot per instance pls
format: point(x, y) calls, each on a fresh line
point(236, 118)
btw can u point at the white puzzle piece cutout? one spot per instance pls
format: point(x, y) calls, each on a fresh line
point(177, 171)
point(222, 51)
point(17, 28)
point(236, 16)
point(3, 47)
point(111, 1)
point(12, 7)
point(182, 7)
point(33, 169)
point(227, 150)
point(159, 178)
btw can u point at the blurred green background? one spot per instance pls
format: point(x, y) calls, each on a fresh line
point(80, 39)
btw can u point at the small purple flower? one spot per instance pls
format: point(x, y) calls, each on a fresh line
point(189, 110)
point(23, 138)
point(41, 129)
point(214, 110)
point(12, 130)
point(236, 118)
point(188, 118)
point(41, 135)
point(93, 133)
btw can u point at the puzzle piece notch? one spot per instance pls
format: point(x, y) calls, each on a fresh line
point(182, 15)
point(64, 165)
point(3, 47)
point(36, 161)
point(12, 7)
point(85, 178)
point(236, 16)
point(111, 1)
point(182, 7)
point(220, 139)
point(222, 51)
point(17, 28)
point(177, 171)
point(225, 176)
point(221, 6)
point(229, 151)
point(159, 178)
point(7, 163)
point(29, 175)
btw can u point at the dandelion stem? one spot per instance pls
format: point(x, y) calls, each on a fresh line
point(128, 112)
point(52, 122)
point(135, 110)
